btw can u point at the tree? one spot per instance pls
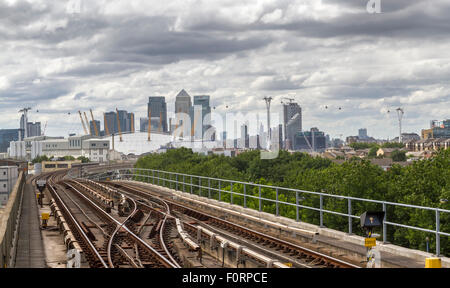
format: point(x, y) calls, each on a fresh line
point(424, 183)
point(393, 145)
point(373, 152)
point(398, 156)
point(362, 145)
point(39, 159)
point(83, 159)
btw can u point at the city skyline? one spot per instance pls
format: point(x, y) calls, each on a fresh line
point(288, 109)
point(106, 56)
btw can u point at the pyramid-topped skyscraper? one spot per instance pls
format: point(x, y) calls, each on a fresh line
point(183, 102)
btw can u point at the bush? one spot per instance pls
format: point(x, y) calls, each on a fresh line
point(398, 156)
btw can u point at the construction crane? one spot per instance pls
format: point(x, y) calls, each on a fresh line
point(106, 124)
point(118, 125)
point(400, 113)
point(93, 121)
point(82, 122)
point(87, 123)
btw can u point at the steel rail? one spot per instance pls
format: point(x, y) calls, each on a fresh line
point(163, 259)
point(115, 233)
point(163, 224)
point(75, 224)
point(312, 253)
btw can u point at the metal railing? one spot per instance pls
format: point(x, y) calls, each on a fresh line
point(187, 183)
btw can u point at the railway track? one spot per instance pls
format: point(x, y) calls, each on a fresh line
point(144, 220)
point(106, 240)
point(124, 225)
point(260, 242)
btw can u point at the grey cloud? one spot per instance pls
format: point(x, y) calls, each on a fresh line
point(28, 93)
point(404, 19)
point(149, 40)
point(276, 83)
point(21, 13)
point(122, 54)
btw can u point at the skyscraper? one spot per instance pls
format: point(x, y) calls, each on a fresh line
point(362, 133)
point(314, 140)
point(183, 104)
point(291, 128)
point(244, 141)
point(111, 122)
point(292, 120)
point(143, 124)
point(92, 128)
point(34, 129)
point(126, 122)
point(158, 108)
point(201, 102)
point(8, 135)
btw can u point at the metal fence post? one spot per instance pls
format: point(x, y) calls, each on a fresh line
point(153, 176)
point(350, 216)
point(260, 200)
point(321, 210)
point(438, 236)
point(184, 190)
point(231, 192)
point(191, 184)
point(220, 195)
point(384, 224)
point(199, 186)
point(245, 197)
point(276, 203)
point(159, 176)
point(297, 212)
point(209, 188)
point(176, 182)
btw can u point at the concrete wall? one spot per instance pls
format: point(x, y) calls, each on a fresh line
point(8, 222)
point(8, 178)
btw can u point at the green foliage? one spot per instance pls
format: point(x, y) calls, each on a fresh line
point(393, 145)
point(83, 159)
point(398, 155)
point(68, 158)
point(423, 183)
point(39, 159)
point(360, 146)
point(373, 152)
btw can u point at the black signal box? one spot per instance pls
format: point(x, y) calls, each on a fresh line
point(372, 219)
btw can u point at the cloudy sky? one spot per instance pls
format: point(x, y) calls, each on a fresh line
point(59, 57)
